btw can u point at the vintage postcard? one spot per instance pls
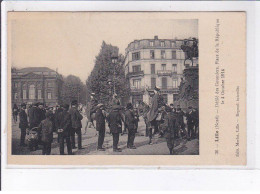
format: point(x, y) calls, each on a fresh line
point(127, 88)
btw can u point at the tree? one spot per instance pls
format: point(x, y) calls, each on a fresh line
point(73, 89)
point(103, 71)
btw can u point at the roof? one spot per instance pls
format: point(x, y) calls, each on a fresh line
point(35, 69)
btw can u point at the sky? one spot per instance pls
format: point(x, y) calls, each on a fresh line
point(70, 41)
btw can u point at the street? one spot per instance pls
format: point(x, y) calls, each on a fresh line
point(89, 142)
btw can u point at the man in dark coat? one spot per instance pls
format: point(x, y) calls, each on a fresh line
point(64, 129)
point(42, 111)
point(34, 116)
point(46, 130)
point(115, 125)
point(180, 123)
point(76, 118)
point(92, 106)
point(170, 126)
point(196, 121)
point(130, 122)
point(100, 126)
point(23, 125)
point(190, 122)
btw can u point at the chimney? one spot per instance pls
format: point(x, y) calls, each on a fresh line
point(155, 37)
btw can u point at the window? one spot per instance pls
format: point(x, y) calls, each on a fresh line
point(49, 95)
point(151, 43)
point(50, 84)
point(173, 44)
point(15, 84)
point(163, 54)
point(136, 68)
point(31, 92)
point(164, 82)
point(152, 68)
point(15, 95)
point(137, 83)
point(153, 82)
point(135, 56)
point(163, 66)
point(24, 94)
point(175, 83)
point(39, 94)
point(173, 54)
point(162, 44)
point(165, 98)
point(152, 54)
point(174, 67)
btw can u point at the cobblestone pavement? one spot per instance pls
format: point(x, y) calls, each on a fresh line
point(89, 142)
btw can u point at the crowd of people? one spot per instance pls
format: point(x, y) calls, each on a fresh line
point(66, 120)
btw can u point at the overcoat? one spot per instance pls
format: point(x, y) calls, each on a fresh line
point(46, 130)
point(76, 118)
point(34, 117)
point(115, 121)
point(130, 121)
point(156, 103)
point(23, 120)
point(100, 120)
point(65, 123)
point(170, 124)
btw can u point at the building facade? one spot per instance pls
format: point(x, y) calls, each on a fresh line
point(36, 84)
point(155, 62)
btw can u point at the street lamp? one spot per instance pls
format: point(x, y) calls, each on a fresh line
point(114, 61)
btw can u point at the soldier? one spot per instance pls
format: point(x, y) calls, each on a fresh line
point(100, 126)
point(190, 122)
point(130, 121)
point(170, 126)
point(156, 103)
point(115, 125)
point(76, 118)
point(64, 129)
point(46, 130)
point(23, 125)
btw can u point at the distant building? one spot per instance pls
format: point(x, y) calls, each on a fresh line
point(155, 62)
point(36, 84)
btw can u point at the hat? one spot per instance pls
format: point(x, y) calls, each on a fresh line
point(74, 102)
point(190, 107)
point(100, 105)
point(23, 104)
point(171, 104)
point(156, 89)
point(92, 94)
point(35, 104)
point(129, 106)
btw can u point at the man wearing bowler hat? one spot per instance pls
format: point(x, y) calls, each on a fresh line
point(100, 126)
point(76, 118)
point(130, 122)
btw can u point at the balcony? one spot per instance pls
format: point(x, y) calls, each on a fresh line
point(168, 89)
point(137, 89)
point(135, 74)
point(164, 72)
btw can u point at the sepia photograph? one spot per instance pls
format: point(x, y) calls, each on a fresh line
point(96, 83)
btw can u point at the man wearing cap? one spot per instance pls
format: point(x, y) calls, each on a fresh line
point(115, 124)
point(34, 116)
point(130, 122)
point(23, 125)
point(100, 126)
point(156, 103)
point(76, 118)
point(64, 129)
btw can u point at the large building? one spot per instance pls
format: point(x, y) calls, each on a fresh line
point(36, 84)
point(155, 62)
